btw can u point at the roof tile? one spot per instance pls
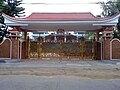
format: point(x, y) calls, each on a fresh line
point(61, 16)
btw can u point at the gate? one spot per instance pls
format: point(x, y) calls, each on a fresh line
point(5, 49)
point(84, 49)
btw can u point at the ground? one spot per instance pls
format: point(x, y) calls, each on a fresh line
point(32, 82)
point(55, 74)
point(91, 69)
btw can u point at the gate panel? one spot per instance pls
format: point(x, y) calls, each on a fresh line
point(61, 50)
point(115, 49)
point(33, 49)
point(82, 50)
point(97, 51)
point(88, 50)
point(51, 49)
point(71, 50)
point(5, 49)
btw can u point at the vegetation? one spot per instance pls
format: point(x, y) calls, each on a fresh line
point(3, 28)
point(111, 8)
point(11, 8)
point(90, 35)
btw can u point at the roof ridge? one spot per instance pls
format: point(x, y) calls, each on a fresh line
point(61, 12)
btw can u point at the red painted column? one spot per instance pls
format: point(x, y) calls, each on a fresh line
point(97, 47)
point(24, 53)
point(97, 35)
point(107, 36)
point(14, 36)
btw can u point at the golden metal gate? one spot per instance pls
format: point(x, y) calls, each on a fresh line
point(82, 49)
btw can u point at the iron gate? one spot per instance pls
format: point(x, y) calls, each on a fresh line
point(82, 50)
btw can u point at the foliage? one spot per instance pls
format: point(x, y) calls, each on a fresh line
point(109, 8)
point(90, 35)
point(2, 5)
point(118, 4)
point(13, 9)
point(3, 28)
point(116, 32)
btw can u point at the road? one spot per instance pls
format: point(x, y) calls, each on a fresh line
point(90, 69)
point(32, 82)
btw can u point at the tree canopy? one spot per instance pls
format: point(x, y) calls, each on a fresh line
point(11, 8)
point(110, 8)
point(3, 28)
point(117, 4)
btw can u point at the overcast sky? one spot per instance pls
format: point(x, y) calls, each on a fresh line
point(62, 6)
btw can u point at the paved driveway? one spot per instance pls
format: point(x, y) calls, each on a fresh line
point(28, 82)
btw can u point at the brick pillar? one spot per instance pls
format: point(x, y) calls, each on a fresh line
point(97, 47)
point(24, 53)
point(107, 36)
point(14, 36)
point(15, 48)
point(97, 35)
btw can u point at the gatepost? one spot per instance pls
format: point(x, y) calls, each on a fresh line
point(107, 36)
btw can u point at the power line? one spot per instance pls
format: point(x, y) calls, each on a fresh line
point(69, 3)
point(62, 3)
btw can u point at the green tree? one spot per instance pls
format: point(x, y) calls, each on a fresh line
point(12, 8)
point(116, 32)
point(117, 4)
point(89, 35)
point(109, 8)
point(3, 28)
point(2, 5)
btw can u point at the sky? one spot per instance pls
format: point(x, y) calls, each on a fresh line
point(62, 6)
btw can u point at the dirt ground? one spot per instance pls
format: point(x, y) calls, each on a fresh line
point(85, 69)
point(92, 74)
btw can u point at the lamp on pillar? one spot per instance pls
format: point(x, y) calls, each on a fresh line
point(14, 34)
point(107, 33)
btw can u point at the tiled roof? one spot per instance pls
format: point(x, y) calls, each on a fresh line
point(82, 16)
point(61, 16)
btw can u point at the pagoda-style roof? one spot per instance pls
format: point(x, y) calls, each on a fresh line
point(37, 22)
point(61, 16)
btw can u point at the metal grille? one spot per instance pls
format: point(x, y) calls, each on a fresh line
point(82, 49)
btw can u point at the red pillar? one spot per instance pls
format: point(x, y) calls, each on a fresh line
point(97, 35)
point(107, 36)
point(14, 36)
point(24, 53)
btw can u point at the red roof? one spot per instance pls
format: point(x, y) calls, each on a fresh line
point(61, 16)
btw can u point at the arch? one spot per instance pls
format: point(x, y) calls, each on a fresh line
point(6, 49)
point(115, 49)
